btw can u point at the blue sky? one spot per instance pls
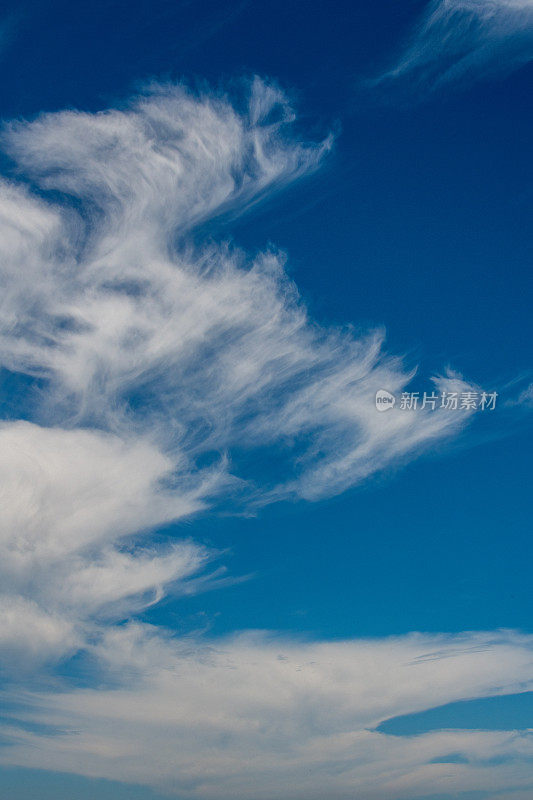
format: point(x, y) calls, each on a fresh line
point(224, 227)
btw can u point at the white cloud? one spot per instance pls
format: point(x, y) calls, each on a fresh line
point(74, 503)
point(139, 332)
point(525, 397)
point(30, 636)
point(169, 373)
point(465, 40)
point(157, 356)
point(266, 717)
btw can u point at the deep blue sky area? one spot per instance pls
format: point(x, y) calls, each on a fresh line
point(442, 545)
point(418, 222)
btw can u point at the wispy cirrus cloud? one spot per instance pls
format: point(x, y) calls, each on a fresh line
point(262, 716)
point(463, 41)
point(136, 331)
point(165, 374)
point(169, 374)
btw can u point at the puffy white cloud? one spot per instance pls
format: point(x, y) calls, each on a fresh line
point(30, 636)
point(465, 40)
point(74, 506)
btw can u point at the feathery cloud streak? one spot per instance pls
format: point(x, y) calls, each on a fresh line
point(166, 371)
point(137, 332)
point(465, 41)
point(265, 717)
point(163, 377)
